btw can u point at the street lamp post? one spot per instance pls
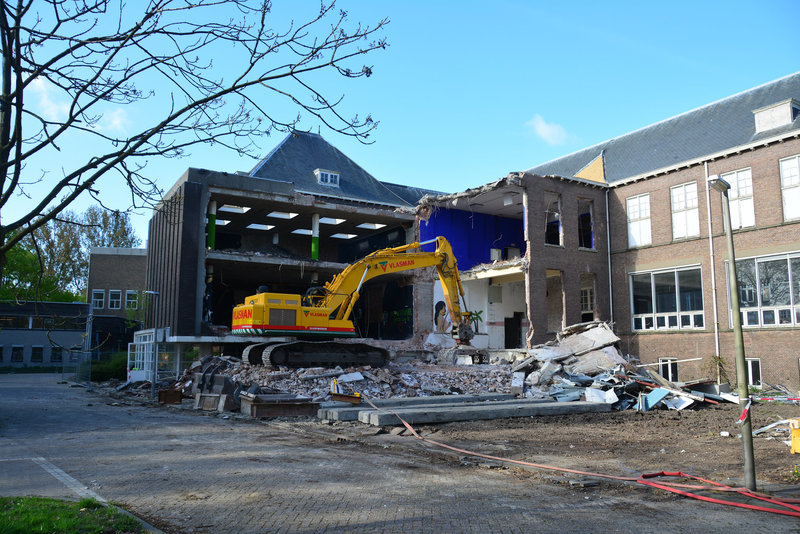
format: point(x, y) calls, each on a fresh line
point(717, 183)
point(154, 376)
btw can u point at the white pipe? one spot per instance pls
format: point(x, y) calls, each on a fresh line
point(610, 278)
point(713, 274)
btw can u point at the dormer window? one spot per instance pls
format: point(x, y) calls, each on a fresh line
point(776, 115)
point(327, 177)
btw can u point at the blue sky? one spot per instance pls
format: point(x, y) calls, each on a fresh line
point(468, 91)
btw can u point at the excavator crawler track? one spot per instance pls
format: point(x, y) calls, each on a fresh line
point(316, 354)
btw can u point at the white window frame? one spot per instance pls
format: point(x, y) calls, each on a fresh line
point(131, 303)
point(751, 362)
point(677, 320)
point(790, 187)
point(638, 212)
point(671, 365)
point(685, 214)
point(101, 299)
point(740, 196)
point(329, 178)
point(112, 300)
point(756, 316)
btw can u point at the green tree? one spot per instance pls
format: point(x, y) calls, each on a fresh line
point(94, 58)
point(25, 279)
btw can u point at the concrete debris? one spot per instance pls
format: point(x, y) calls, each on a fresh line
point(583, 363)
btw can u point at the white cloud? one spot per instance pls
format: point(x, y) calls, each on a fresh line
point(550, 132)
point(115, 120)
point(48, 105)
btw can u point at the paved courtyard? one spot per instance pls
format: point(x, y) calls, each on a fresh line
point(186, 472)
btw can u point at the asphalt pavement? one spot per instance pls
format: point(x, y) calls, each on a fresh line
point(185, 472)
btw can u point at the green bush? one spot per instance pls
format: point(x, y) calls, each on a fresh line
point(114, 367)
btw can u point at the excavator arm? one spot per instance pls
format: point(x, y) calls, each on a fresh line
point(343, 291)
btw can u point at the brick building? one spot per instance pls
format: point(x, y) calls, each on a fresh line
point(298, 218)
point(117, 279)
point(628, 231)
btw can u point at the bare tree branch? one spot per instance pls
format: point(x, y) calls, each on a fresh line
point(92, 57)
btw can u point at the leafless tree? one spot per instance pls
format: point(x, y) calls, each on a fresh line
point(220, 72)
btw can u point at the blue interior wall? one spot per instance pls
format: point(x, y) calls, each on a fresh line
point(472, 234)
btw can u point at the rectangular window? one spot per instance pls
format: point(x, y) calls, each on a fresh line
point(16, 353)
point(114, 299)
point(56, 354)
point(585, 224)
point(131, 300)
point(98, 299)
point(685, 219)
point(753, 372)
point(668, 368)
point(327, 177)
point(741, 198)
point(769, 290)
point(552, 230)
point(587, 304)
point(37, 354)
point(2, 354)
point(638, 209)
point(671, 299)
point(790, 187)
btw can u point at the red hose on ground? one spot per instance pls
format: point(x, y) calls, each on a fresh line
point(643, 479)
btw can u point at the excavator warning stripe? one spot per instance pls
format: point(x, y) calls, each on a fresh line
point(267, 329)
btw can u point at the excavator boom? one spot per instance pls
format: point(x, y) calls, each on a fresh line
point(326, 311)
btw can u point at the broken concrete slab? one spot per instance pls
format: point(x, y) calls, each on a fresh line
point(473, 412)
point(517, 383)
point(343, 412)
point(596, 361)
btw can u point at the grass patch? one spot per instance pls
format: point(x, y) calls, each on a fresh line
point(39, 514)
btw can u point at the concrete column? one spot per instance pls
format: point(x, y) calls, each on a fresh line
point(212, 224)
point(315, 236)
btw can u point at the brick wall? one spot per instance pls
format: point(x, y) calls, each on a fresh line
point(569, 259)
point(778, 348)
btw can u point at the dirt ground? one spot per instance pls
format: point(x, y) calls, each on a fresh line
point(629, 443)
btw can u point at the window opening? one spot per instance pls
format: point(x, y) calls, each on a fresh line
point(585, 224)
point(98, 299)
point(685, 220)
point(638, 209)
point(671, 299)
point(668, 368)
point(114, 299)
point(753, 372)
point(56, 354)
point(16, 353)
point(131, 300)
point(790, 187)
point(37, 354)
point(552, 234)
point(741, 198)
point(327, 177)
point(769, 291)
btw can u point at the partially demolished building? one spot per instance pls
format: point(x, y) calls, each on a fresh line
point(628, 231)
point(299, 217)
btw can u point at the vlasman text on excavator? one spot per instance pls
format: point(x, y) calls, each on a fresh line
point(324, 312)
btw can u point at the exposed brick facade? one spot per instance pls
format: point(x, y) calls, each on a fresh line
point(777, 347)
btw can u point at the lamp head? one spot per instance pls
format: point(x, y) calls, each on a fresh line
point(715, 182)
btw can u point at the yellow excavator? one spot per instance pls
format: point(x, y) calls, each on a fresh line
point(324, 311)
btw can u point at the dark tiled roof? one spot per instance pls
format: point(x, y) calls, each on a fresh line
point(297, 157)
point(713, 128)
point(410, 194)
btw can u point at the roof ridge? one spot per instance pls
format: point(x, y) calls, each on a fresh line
point(668, 119)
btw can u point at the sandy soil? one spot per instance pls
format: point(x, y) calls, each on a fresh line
point(630, 443)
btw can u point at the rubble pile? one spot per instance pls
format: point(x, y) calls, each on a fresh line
point(412, 379)
point(584, 363)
